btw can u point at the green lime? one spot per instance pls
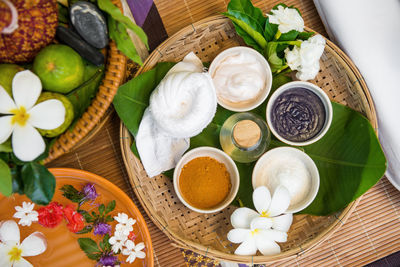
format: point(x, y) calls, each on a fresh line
point(59, 68)
point(7, 73)
point(69, 113)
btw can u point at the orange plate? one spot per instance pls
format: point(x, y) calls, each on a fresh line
point(63, 248)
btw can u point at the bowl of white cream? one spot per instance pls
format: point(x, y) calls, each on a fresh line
point(242, 78)
point(291, 168)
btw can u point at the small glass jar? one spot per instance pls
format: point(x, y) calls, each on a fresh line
point(244, 137)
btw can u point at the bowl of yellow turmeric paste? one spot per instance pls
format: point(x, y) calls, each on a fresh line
point(206, 180)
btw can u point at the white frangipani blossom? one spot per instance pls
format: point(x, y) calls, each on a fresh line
point(287, 19)
point(262, 229)
point(305, 59)
point(22, 116)
point(26, 214)
point(133, 251)
point(12, 252)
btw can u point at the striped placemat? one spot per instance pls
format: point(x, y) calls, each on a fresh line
point(372, 231)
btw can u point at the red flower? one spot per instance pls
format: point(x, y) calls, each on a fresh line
point(132, 236)
point(74, 219)
point(51, 215)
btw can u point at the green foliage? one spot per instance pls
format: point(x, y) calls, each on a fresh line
point(89, 246)
point(5, 179)
point(72, 194)
point(117, 15)
point(133, 97)
point(121, 37)
point(81, 97)
point(39, 183)
point(259, 33)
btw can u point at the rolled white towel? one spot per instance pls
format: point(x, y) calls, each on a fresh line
point(184, 103)
point(158, 151)
point(181, 106)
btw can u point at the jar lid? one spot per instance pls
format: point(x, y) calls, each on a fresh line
point(246, 133)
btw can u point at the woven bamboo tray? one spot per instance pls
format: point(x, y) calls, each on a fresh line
point(206, 234)
point(94, 115)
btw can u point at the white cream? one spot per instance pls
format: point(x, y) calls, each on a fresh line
point(288, 171)
point(239, 76)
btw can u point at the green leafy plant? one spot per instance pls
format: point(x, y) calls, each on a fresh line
point(259, 33)
point(349, 157)
point(94, 251)
point(117, 26)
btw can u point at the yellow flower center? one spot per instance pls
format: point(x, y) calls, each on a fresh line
point(265, 214)
point(255, 231)
point(20, 116)
point(15, 254)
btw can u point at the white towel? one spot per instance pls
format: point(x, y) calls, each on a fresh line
point(181, 106)
point(369, 32)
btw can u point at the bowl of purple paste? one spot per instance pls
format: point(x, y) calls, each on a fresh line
point(299, 113)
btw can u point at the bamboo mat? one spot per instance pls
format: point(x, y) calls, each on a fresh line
point(372, 231)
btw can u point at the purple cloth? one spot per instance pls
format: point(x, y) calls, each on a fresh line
point(140, 9)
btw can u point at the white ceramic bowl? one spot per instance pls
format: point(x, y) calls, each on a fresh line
point(218, 155)
point(315, 89)
point(245, 105)
point(284, 154)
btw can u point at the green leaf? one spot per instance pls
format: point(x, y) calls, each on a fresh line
point(247, 7)
point(102, 209)
point(305, 35)
point(5, 179)
point(86, 229)
point(72, 193)
point(132, 98)
point(17, 183)
point(275, 62)
point(349, 159)
point(248, 29)
point(116, 14)
point(124, 43)
point(89, 246)
point(109, 218)
point(39, 183)
point(110, 207)
point(6, 146)
point(289, 36)
point(270, 30)
point(81, 97)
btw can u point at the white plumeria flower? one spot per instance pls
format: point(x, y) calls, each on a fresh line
point(11, 251)
point(26, 214)
point(134, 251)
point(117, 241)
point(262, 229)
point(124, 223)
point(23, 116)
point(287, 19)
point(305, 59)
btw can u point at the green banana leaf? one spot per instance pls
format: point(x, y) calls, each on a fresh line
point(349, 157)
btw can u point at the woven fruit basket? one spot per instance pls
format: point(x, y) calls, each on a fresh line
point(113, 78)
point(206, 233)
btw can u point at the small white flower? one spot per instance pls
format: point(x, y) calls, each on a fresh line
point(26, 214)
point(287, 18)
point(117, 241)
point(134, 251)
point(124, 223)
point(11, 251)
point(305, 59)
point(262, 229)
point(23, 116)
